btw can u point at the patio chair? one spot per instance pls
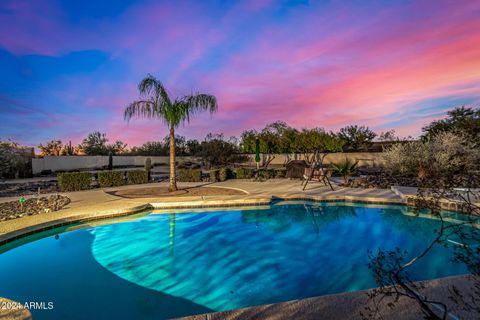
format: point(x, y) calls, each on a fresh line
point(321, 175)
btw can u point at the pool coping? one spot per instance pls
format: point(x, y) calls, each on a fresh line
point(194, 204)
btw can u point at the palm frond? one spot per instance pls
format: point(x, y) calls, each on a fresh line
point(155, 103)
point(139, 108)
point(200, 102)
point(152, 87)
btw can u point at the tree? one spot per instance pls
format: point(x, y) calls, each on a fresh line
point(459, 120)
point(357, 138)
point(51, 148)
point(151, 148)
point(453, 162)
point(118, 147)
point(269, 141)
point(388, 136)
point(95, 144)
point(155, 102)
point(315, 144)
point(180, 144)
point(15, 160)
point(216, 150)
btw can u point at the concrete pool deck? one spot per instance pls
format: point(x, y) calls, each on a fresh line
point(347, 306)
point(100, 204)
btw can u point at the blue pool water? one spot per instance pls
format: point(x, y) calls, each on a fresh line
point(167, 265)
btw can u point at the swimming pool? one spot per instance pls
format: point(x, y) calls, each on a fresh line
point(169, 265)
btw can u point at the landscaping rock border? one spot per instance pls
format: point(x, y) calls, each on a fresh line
point(16, 209)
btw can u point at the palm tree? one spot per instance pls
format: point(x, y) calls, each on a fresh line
point(154, 102)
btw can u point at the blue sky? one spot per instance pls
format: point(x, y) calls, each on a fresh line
point(71, 67)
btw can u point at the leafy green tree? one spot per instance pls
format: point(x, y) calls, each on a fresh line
point(462, 120)
point(155, 103)
point(315, 144)
point(357, 138)
point(248, 141)
point(270, 140)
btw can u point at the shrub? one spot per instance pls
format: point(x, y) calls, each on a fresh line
point(244, 173)
point(444, 155)
point(74, 181)
point(214, 175)
point(265, 174)
point(280, 173)
point(224, 174)
point(190, 175)
point(346, 169)
point(137, 177)
point(110, 179)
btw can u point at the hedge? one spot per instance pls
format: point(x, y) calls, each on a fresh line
point(137, 177)
point(74, 181)
point(190, 175)
point(224, 174)
point(244, 173)
point(214, 175)
point(110, 178)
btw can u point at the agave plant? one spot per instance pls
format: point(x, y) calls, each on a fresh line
point(346, 168)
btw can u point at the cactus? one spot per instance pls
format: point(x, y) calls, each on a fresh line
point(69, 149)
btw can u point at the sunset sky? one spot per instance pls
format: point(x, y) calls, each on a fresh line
point(71, 67)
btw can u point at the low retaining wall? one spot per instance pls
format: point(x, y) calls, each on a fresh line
point(68, 163)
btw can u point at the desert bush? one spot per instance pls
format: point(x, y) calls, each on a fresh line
point(280, 173)
point(74, 181)
point(244, 173)
point(189, 175)
point(265, 174)
point(15, 160)
point(444, 154)
point(215, 150)
point(214, 175)
point(110, 179)
point(224, 174)
point(137, 177)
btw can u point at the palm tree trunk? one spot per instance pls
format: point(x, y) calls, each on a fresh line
point(173, 178)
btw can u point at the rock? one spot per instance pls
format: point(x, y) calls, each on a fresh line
point(11, 310)
point(31, 188)
point(382, 181)
point(14, 209)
